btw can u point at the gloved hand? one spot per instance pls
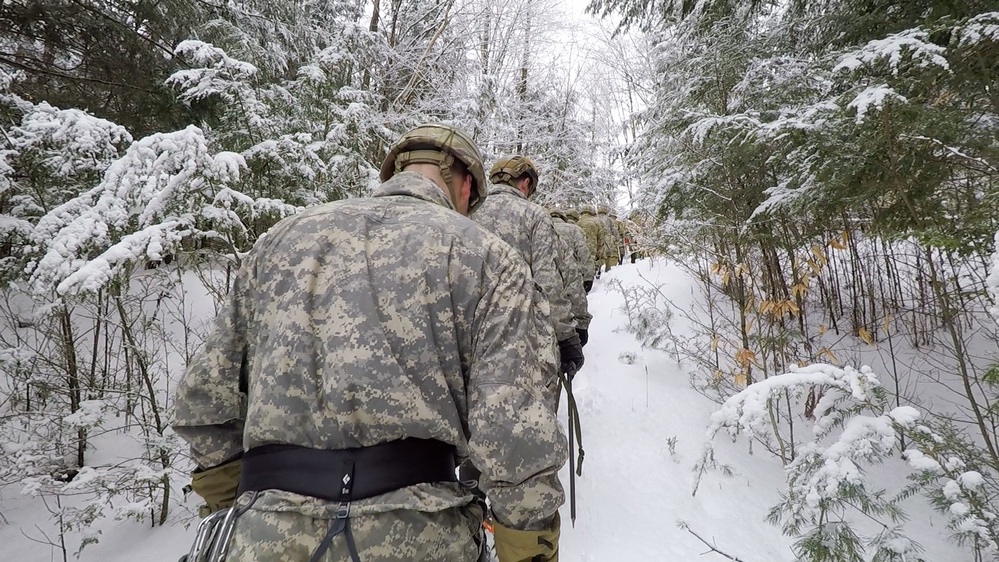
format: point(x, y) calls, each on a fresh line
point(584, 336)
point(571, 353)
point(588, 285)
point(217, 485)
point(526, 546)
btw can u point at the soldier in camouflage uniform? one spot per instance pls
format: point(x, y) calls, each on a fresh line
point(610, 231)
point(594, 231)
point(527, 227)
point(581, 249)
point(375, 326)
point(574, 252)
point(621, 233)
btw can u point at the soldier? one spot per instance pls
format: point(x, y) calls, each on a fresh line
point(528, 228)
point(582, 251)
point(368, 346)
point(574, 256)
point(610, 237)
point(594, 232)
point(621, 234)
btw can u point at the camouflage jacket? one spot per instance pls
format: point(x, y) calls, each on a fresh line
point(581, 250)
point(570, 240)
point(528, 228)
point(594, 232)
point(611, 236)
point(622, 234)
point(367, 320)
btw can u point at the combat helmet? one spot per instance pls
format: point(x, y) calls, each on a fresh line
point(512, 168)
point(435, 143)
point(572, 215)
point(556, 213)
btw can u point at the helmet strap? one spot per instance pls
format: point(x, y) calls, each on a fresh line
point(443, 160)
point(444, 163)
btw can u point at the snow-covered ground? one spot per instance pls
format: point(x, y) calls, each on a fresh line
point(643, 430)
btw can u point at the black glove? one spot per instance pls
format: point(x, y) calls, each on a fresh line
point(588, 285)
point(584, 336)
point(572, 355)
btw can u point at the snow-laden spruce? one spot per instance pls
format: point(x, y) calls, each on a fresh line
point(160, 192)
point(828, 493)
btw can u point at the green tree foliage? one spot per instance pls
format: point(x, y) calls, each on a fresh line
point(107, 57)
point(833, 167)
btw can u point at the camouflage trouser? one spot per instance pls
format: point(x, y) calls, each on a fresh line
point(610, 261)
point(263, 534)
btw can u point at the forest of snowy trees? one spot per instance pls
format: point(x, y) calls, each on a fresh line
point(827, 170)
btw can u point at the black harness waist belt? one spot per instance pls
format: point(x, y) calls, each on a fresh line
point(375, 470)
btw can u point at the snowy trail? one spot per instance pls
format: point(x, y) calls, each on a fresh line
point(631, 494)
point(634, 489)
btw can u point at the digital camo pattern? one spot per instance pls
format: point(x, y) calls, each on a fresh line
point(368, 320)
point(581, 250)
point(569, 237)
point(443, 137)
point(527, 227)
point(285, 527)
point(594, 232)
point(610, 240)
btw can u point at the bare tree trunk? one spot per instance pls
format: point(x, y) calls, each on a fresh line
point(142, 366)
point(73, 384)
point(525, 61)
point(952, 325)
point(373, 28)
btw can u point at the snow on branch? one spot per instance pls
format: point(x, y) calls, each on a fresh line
point(992, 281)
point(748, 410)
point(6, 79)
point(954, 151)
point(6, 171)
point(69, 140)
point(983, 28)
point(700, 129)
point(809, 117)
point(220, 74)
point(914, 42)
point(873, 97)
point(292, 154)
point(148, 243)
point(826, 476)
point(822, 470)
point(14, 225)
point(148, 200)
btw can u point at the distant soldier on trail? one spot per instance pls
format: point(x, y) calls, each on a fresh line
point(583, 253)
point(573, 244)
point(621, 234)
point(611, 235)
point(594, 231)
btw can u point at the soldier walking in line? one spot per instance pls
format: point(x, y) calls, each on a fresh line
point(367, 347)
point(575, 256)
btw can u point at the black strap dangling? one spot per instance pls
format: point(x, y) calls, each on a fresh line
point(341, 520)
